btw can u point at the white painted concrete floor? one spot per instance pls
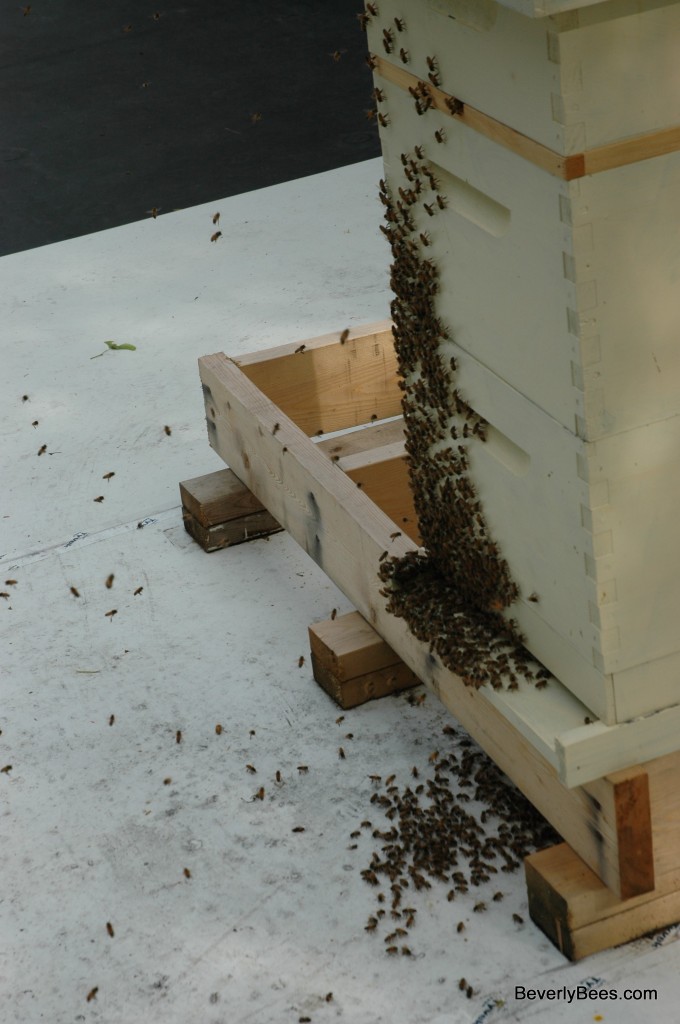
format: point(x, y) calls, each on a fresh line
point(269, 921)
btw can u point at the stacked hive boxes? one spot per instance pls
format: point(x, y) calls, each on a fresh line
point(561, 290)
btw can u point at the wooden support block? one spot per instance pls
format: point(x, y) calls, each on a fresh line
point(218, 510)
point(580, 915)
point(353, 664)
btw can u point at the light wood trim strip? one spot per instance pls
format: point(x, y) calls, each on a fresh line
point(567, 167)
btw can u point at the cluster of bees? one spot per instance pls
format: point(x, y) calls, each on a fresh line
point(435, 835)
point(453, 592)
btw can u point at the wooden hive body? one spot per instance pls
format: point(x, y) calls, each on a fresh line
point(559, 260)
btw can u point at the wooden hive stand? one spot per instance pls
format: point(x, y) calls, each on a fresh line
point(610, 790)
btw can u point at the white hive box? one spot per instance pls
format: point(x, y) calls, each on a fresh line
point(562, 292)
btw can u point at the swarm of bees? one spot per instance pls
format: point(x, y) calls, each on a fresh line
point(433, 838)
point(451, 592)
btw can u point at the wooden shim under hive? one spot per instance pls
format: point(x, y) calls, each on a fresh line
point(346, 533)
point(218, 511)
point(353, 664)
point(580, 915)
point(565, 166)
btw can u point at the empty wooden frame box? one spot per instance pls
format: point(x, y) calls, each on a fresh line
point(551, 131)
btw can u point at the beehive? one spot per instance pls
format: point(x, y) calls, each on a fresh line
point(551, 132)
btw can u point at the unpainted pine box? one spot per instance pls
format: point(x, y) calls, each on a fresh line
point(568, 290)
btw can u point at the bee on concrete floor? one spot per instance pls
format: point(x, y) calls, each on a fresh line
point(215, 236)
point(74, 591)
point(92, 994)
point(178, 736)
point(109, 581)
point(109, 615)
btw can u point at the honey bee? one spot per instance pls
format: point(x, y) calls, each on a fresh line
point(434, 756)
point(6, 770)
point(298, 828)
point(112, 719)
point(429, 210)
point(156, 15)
point(178, 736)
point(372, 9)
point(462, 984)
point(218, 729)
point(42, 449)
point(390, 779)
point(403, 56)
point(440, 135)
point(99, 499)
point(168, 430)
point(375, 778)
point(336, 55)
point(137, 591)
point(25, 398)
point(414, 772)
point(349, 735)
point(109, 615)
point(216, 218)
point(425, 238)
point(340, 719)
point(329, 997)
point(392, 950)
point(35, 423)
point(215, 236)
point(187, 873)
point(344, 335)
point(254, 118)
point(300, 348)
point(363, 20)
point(383, 120)
point(479, 907)
point(341, 753)
point(303, 769)
point(92, 994)
point(301, 661)
point(587, 721)
point(260, 794)
point(11, 583)
point(372, 61)
point(441, 203)
point(393, 536)
point(518, 919)
point(76, 593)
point(276, 427)
point(469, 991)
point(388, 40)
point(251, 769)
point(455, 106)
point(109, 581)
point(460, 927)
point(541, 684)
point(278, 777)
point(107, 476)
point(167, 781)
point(109, 928)
point(366, 824)
point(378, 95)
point(154, 211)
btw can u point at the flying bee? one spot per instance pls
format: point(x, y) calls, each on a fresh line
point(109, 581)
point(107, 476)
point(137, 591)
point(300, 348)
point(109, 615)
point(109, 928)
point(301, 661)
point(215, 236)
point(260, 794)
point(92, 994)
point(99, 499)
point(216, 218)
point(42, 449)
